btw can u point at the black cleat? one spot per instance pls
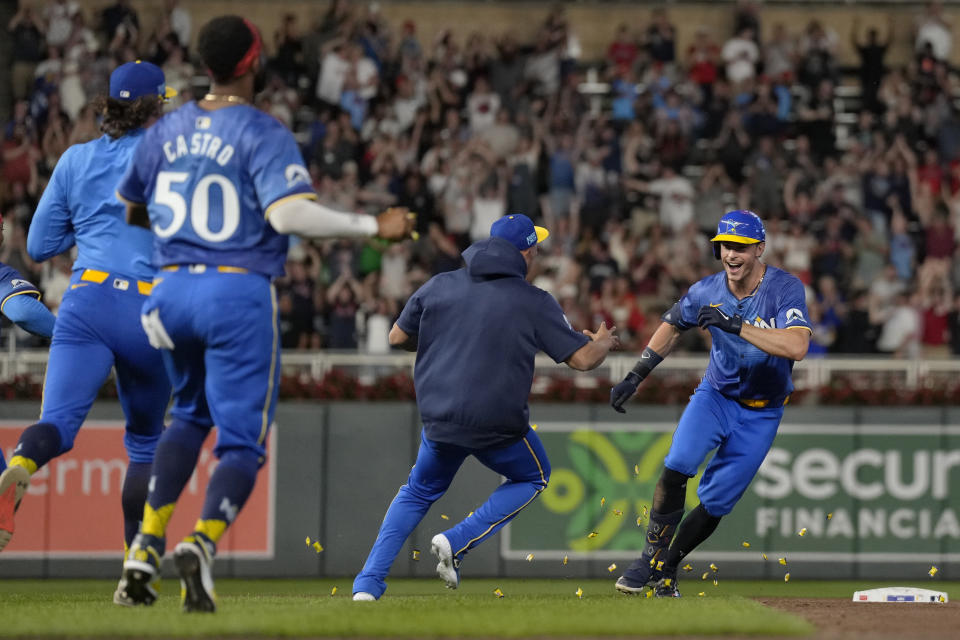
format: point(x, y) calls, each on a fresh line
point(194, 561)
point(666, 588)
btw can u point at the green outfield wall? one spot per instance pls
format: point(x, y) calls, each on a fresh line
point(875, 491)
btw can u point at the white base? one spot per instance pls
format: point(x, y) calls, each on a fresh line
point(900, 594)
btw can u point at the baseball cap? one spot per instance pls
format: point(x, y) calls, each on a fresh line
point(133, 80)
point(740, 226)
point(519, 231)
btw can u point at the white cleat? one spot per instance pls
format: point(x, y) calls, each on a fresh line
point(13, 484)
point(449, 567)
point(363, 596)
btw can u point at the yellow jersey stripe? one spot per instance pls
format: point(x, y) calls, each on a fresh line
point(296, 196)
point(32, 292)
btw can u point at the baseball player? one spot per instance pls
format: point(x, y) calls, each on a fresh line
point(757, 318)
point(220, 183)
point(476, 332)
point(98, 325)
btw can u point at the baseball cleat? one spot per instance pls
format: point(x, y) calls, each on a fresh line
point(628, 586)
point(141, 573)
point(666, 588)
point(193, 559)
point(13, 484)
point(449, 567)
point(363, 596)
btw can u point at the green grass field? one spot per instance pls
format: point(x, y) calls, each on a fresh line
point(411, 608)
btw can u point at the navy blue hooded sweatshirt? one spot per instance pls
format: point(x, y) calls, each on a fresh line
point(478, 330)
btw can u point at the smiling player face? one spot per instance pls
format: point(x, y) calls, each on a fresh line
point(741, 261)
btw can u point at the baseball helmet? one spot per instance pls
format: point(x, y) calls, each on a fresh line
point(741, 226)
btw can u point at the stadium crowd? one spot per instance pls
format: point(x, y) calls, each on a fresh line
point(629, 160)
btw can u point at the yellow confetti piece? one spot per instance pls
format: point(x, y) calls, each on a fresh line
point(534, 427)
point(933, 571)
point(317, 547)
point(782, 561)
point(745, 544)
point(715, 582)
point(829, 516)
point(650, 593)
point(660, 565)
point(308, 541)
point(802, 532)
point(713, 567)
point(444, 516)
point(529, 557)
point(415, 235)
point(786, 578)
point(612, 567)
point(764, 556)
point(617, 513)
point(497, 592)
point(702, 593)
point(333, 591)
point(592, 534)
point(942, 599)
point(416, 554)
point(603, 501)
point(688, 567)
point(644, 511)
point(636, 469)
point(470, 514)
point(705, 574)
point(565, 560)
point(639, 521)
point(579, 593)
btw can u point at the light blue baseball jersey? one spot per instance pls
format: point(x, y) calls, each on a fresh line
point(79, 206)
point(737, 368)
point(209, 178)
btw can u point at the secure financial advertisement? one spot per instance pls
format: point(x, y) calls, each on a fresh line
point(72, 508)
point(825, 492)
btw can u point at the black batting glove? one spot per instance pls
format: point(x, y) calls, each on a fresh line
point(712, 317)
point(624, 390)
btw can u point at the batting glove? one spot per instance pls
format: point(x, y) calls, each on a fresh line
point(624, 391)
point(712, 317)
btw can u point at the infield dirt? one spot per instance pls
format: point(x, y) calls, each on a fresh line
point(847, 620)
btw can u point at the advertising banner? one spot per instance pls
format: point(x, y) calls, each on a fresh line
point(839, 493)
point(72, 508)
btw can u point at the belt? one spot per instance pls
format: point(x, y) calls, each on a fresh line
point(99, 277)
point(760, 404)
point(202, 268)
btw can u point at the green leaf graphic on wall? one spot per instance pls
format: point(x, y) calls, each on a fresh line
point(619, 469)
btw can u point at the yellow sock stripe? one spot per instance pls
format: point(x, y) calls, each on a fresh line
point(213, 529)
point(26, 463)
point(273, 367)
point(155, 521)
point(141, 554)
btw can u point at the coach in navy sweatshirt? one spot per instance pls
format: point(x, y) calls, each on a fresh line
point(476, 332)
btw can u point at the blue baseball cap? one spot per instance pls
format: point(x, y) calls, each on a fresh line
point(519, 231)
point(137, 79)
point(741, 226)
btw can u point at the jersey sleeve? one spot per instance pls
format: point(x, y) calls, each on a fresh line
point(13, 284)
point(555, 336)
point(792, 306)
point(276, 166)
point(133, 187)
point(409, 320)
point(51, 229)
point(683, 314)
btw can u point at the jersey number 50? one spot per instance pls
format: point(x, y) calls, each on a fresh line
point(199, 205)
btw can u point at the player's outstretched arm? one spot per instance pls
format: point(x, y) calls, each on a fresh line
point(311, 219)
point(29, 314)
point(400, 338)
point(661, 344)
point(592, 354)
point(786, 343)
